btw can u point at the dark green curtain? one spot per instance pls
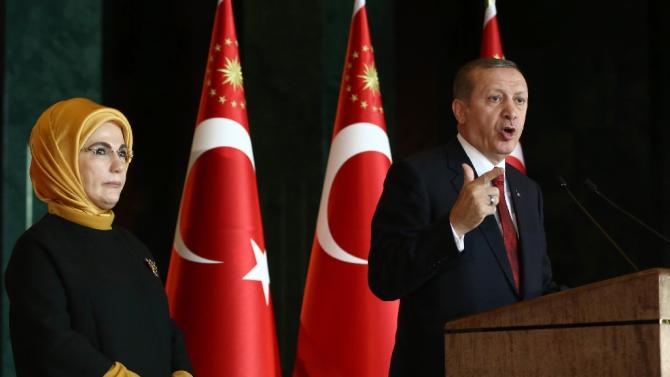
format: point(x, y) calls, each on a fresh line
point(52, 50)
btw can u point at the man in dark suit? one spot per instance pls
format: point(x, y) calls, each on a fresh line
point(444, 241)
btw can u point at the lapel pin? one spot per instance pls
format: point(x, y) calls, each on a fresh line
point(152, 266)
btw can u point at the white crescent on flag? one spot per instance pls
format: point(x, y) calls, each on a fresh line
point(352, 140)
point(212, 133)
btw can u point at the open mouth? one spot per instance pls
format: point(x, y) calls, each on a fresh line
point(508, 132)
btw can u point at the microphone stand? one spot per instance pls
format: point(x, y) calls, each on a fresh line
point(592, 186)
point(564, 185)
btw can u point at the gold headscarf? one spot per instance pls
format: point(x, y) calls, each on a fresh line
point(55, 142)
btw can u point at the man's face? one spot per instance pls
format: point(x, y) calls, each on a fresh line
point(492, 119)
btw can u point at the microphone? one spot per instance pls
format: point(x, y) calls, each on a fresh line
point(594, 189)
point(564, 185)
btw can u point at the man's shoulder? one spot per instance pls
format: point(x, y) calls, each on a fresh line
point(440, 156)
point(427, 157)
point(515, 173)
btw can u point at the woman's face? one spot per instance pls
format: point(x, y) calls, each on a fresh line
point(102, 167)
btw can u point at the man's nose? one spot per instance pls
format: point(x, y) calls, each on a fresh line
point(510, 111)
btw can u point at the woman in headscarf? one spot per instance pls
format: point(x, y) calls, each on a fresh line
point(85, 295)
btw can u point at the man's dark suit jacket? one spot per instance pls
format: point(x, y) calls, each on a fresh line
point(413, 255)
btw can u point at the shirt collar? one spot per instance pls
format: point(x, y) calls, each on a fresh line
point(480, 163)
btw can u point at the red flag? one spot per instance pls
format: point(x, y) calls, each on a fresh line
point(344, 329)
point(492, 48)
point(491, 44)
point(218, 281)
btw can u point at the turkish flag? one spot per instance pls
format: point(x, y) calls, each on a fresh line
point(492, 48)
point(344, 329)
point(491, 43)
point(218, 280)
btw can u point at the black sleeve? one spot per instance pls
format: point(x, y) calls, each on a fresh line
point(180, 360)
point(43, 342)
point(179, 356)
point(407, 247)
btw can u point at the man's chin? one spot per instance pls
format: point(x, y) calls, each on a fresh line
point(507, 148)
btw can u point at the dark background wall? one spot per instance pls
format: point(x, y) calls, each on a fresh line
point(597, 76)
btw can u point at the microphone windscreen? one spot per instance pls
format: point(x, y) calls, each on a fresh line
point(561, 181)
point(592, 186)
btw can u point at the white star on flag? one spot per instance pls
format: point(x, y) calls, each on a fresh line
point(260, 270)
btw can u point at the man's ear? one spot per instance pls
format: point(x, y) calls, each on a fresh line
point(459, 108)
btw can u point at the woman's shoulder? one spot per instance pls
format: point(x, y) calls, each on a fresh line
point(33, 249)
point(41, 233)
point(59, 239)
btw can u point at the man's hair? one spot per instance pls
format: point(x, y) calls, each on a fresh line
point(463, 84)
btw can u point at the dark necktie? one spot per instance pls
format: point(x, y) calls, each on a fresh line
point(509, 234)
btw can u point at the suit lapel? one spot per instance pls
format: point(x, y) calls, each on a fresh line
point(489, 227)
point(522, 208)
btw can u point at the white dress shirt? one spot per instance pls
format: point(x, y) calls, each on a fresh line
point(482, 165)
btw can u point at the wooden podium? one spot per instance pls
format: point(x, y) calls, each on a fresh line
point(617, 327)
